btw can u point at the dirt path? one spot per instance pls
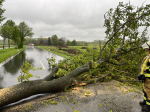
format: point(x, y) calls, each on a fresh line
point(101, 97)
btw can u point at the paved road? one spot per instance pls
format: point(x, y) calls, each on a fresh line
point(106, 97)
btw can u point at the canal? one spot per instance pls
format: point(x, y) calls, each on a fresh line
point(35, 56)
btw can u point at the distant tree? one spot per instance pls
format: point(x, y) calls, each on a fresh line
point(86, 44)
point(15, 36)
point(68, 42)
point(4, 33)
point(59, 43)
point(25, 31)
point(1, 11)
point(54, 39)
point(49, 41)
point(12, 42)
point(2, 18)
point(63, 40)
point(74, 43)
point(29, 40)
point(10, 31)
point(10, 28)
point(40, 40)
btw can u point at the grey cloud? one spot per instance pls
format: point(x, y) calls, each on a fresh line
point(53, 13)
point(73, 19)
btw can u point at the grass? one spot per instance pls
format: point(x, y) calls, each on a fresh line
point(7, 53)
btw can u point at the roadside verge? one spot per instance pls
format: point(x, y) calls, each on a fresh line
point(8, 54)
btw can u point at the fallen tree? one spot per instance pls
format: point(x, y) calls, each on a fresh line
point(95, 65)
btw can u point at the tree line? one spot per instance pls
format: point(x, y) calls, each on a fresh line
point(17, 33)
point(53, 40)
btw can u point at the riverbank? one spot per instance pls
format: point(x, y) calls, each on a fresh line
point(7, 53)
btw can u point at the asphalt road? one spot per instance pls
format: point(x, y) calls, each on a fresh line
point(105, 97)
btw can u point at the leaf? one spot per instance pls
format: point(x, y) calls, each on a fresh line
point(89, 94)
point(74, 83)
point(82, 84)
point(76, 88)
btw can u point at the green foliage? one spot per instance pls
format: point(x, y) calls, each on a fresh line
point(29, 107)
point(54, 39)
point(124, 21)
point(49, 41)
point(86, 44)
point(68, 42)
point(73, 43)
point(2, 11)
point(87, 92)
point(53, 102)
point(25, 31)
point(100, 105)
point(42, 103)
point(61, 72)
point(48, 100)
point(59, 43)
point(10, 31)
point(25, 74)
point(15, 35)
point(74, 102)
point(52, 62)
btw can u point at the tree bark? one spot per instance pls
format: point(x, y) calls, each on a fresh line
point(3, 42)
point(9, 43)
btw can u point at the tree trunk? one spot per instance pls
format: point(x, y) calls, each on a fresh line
point(3, 42)
point(29, 88)
point(9, 43)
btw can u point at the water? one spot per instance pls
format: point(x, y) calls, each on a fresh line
point(37, 57)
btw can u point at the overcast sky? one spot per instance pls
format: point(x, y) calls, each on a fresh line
point(81, 20)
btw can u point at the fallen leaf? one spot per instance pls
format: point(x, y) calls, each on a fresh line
point(74, 83)
point(82, 84)
point(76, 88)
point(89, 94)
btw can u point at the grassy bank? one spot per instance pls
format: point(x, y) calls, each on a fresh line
point(55, 50)
point(65, 54)
point(7, 53)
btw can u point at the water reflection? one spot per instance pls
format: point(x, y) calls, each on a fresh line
point(37, 57)
point(14, 65)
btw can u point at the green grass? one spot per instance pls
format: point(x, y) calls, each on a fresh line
point(7, 53)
